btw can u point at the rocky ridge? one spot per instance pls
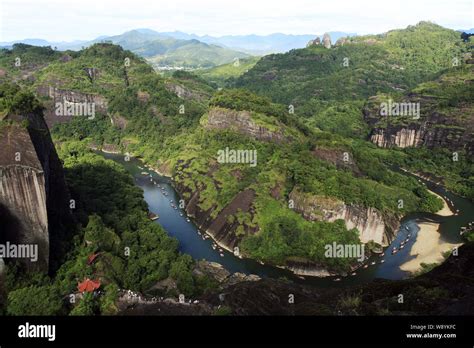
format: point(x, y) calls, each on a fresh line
point(243, 123)
point(34, 199)
point(370, 222)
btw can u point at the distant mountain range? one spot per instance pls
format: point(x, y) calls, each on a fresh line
point(165, 51)
point(62, 45)
point(257, 44)
point(181, 50)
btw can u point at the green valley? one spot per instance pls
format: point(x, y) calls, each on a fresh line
point(318, 164)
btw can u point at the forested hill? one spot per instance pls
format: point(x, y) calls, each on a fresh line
point(165, 50)
point(172, 124)
point(332, 89)
point(356, 67)
point(123, 87)
point(317, 177)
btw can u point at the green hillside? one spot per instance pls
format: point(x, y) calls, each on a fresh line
point(361, 67)
point(133, 91)
point(164, 51)
point(194, 54)
point(424, 63)
point(176, 124)
point(224, 75)
point(286, 166)
point(23, 60)
point(447, 109)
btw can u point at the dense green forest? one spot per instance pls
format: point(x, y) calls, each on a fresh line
point(225, 75)
point(133, 253)
point(362, 67)
point(322, 150)
point(447, 107)
point(165, 51)
point(112, 223)
point(286, 165)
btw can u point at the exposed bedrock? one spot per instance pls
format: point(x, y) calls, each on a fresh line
point(433, 129)
point(71, 97)
point(219, 227)
point(34, 200)
point(417, 135)
point(242, 122)
point(186, 93)
point(371, 223)
point(271, 296)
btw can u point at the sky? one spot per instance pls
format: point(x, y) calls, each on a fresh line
point(63, 20)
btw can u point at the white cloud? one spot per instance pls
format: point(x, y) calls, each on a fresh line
point(87, 19)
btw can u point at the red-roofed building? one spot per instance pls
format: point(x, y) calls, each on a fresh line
point(88, 285)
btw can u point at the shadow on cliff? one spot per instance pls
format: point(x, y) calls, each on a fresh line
point(446, 290)
point(9, 226)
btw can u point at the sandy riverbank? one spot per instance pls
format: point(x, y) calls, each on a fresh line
point(428, 247)
point(446, 210)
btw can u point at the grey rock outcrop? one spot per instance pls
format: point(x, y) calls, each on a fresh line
point(92, 73)
point(185, 93)
point(119, 121)
point(370, 222)
point(218, 227)
point(61, 95)
point(34, 199)
point(241, 122)
point(315, 42)
point(326, 40)
point(22, 195)
point(432, 130)
point(341, 41)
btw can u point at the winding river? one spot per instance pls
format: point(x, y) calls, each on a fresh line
point(158, 192)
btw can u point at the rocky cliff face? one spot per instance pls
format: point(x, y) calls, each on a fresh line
point(218, 226)
point(242, 122)
point(370, 223)
point(223, 232)
point(444, 114)
point(402, 138)
point(220, 229)
point(22, 195)
point(185, 93)
point(34, 200)
point(59, 96)
point(326, 40)
point(119, 121)
point(439, 292)
point(315, 42)
point(433, 133)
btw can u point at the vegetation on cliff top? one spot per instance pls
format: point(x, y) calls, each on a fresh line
point(14, 100)
point(131, 251)
point(328, 97)
point(225, 75)
point(362, 67)
point(162, 135)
